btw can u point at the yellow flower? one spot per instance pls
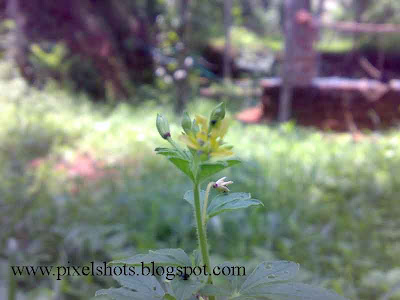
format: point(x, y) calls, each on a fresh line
point(208, 141)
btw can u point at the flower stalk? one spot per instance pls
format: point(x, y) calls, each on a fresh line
point(202, 234)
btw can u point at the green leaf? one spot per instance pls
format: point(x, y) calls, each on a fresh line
point(189, 197)
point(226, 288)
point(125, 294)
point(290, 291)
point(183, 165)
point(235, 281)
point(185, 289)
point(270, 280)
point(168, 152)
point(230, 201)
point(179, 160)
point(270, 272)
point(196, 258)
point(162, 257)
point(168, 297)
point(208, 169)
point(215, 290)
point(148, 285)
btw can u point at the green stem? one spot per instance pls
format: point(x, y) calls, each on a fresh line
point(206, 203)
point(12, 283)
point(201, 233)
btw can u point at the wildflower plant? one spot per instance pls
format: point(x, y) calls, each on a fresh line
point(205, 155)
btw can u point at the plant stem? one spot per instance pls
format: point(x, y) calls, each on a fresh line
point(201, 233)
point(12, 284)
point(206, 203)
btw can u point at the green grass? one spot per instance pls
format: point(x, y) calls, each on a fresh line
point(330, 204)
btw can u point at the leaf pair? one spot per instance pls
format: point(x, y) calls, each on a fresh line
point(223, 202)
point(184, 162)
point(269, 280)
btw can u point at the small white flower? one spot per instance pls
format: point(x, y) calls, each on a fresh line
point(160, 71)
point(188, 61)
point(180, 74)
point(221, 184)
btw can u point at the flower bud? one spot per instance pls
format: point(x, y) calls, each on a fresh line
point(195, 127)
point(163, 126)
point(186, 123)
point(217, 114)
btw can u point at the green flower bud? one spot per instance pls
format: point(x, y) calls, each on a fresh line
point(186, 123)
point(217, 114)
point(163, 126)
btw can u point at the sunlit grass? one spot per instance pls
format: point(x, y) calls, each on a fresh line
point(249, 41)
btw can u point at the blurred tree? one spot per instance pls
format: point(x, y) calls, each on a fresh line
point(110, 34)
point(300, 59)
point(360, 7)
point(18, 47)
point(227, 31)
point(181, 75)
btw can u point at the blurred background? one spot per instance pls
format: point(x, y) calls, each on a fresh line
point(310, 87)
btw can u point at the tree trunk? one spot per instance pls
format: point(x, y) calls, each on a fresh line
point(181, 75)
point(18, 48)
point(227, 31)
point(300, 59)
point(108, 33)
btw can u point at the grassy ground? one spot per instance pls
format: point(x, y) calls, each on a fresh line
point(80, 182)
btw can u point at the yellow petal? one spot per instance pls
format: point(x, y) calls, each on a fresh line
point(203, 122)
point(221, 153)
point(190, 142)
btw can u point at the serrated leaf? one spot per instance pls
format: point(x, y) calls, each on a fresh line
point(125, 294)
point(162, 257)
point(137, 282)
point(189, 197)
point(208, 169)
point(231, 201)
point(270, 272)
point(290, 291)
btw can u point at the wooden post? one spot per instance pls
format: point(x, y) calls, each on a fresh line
point(300, 59)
